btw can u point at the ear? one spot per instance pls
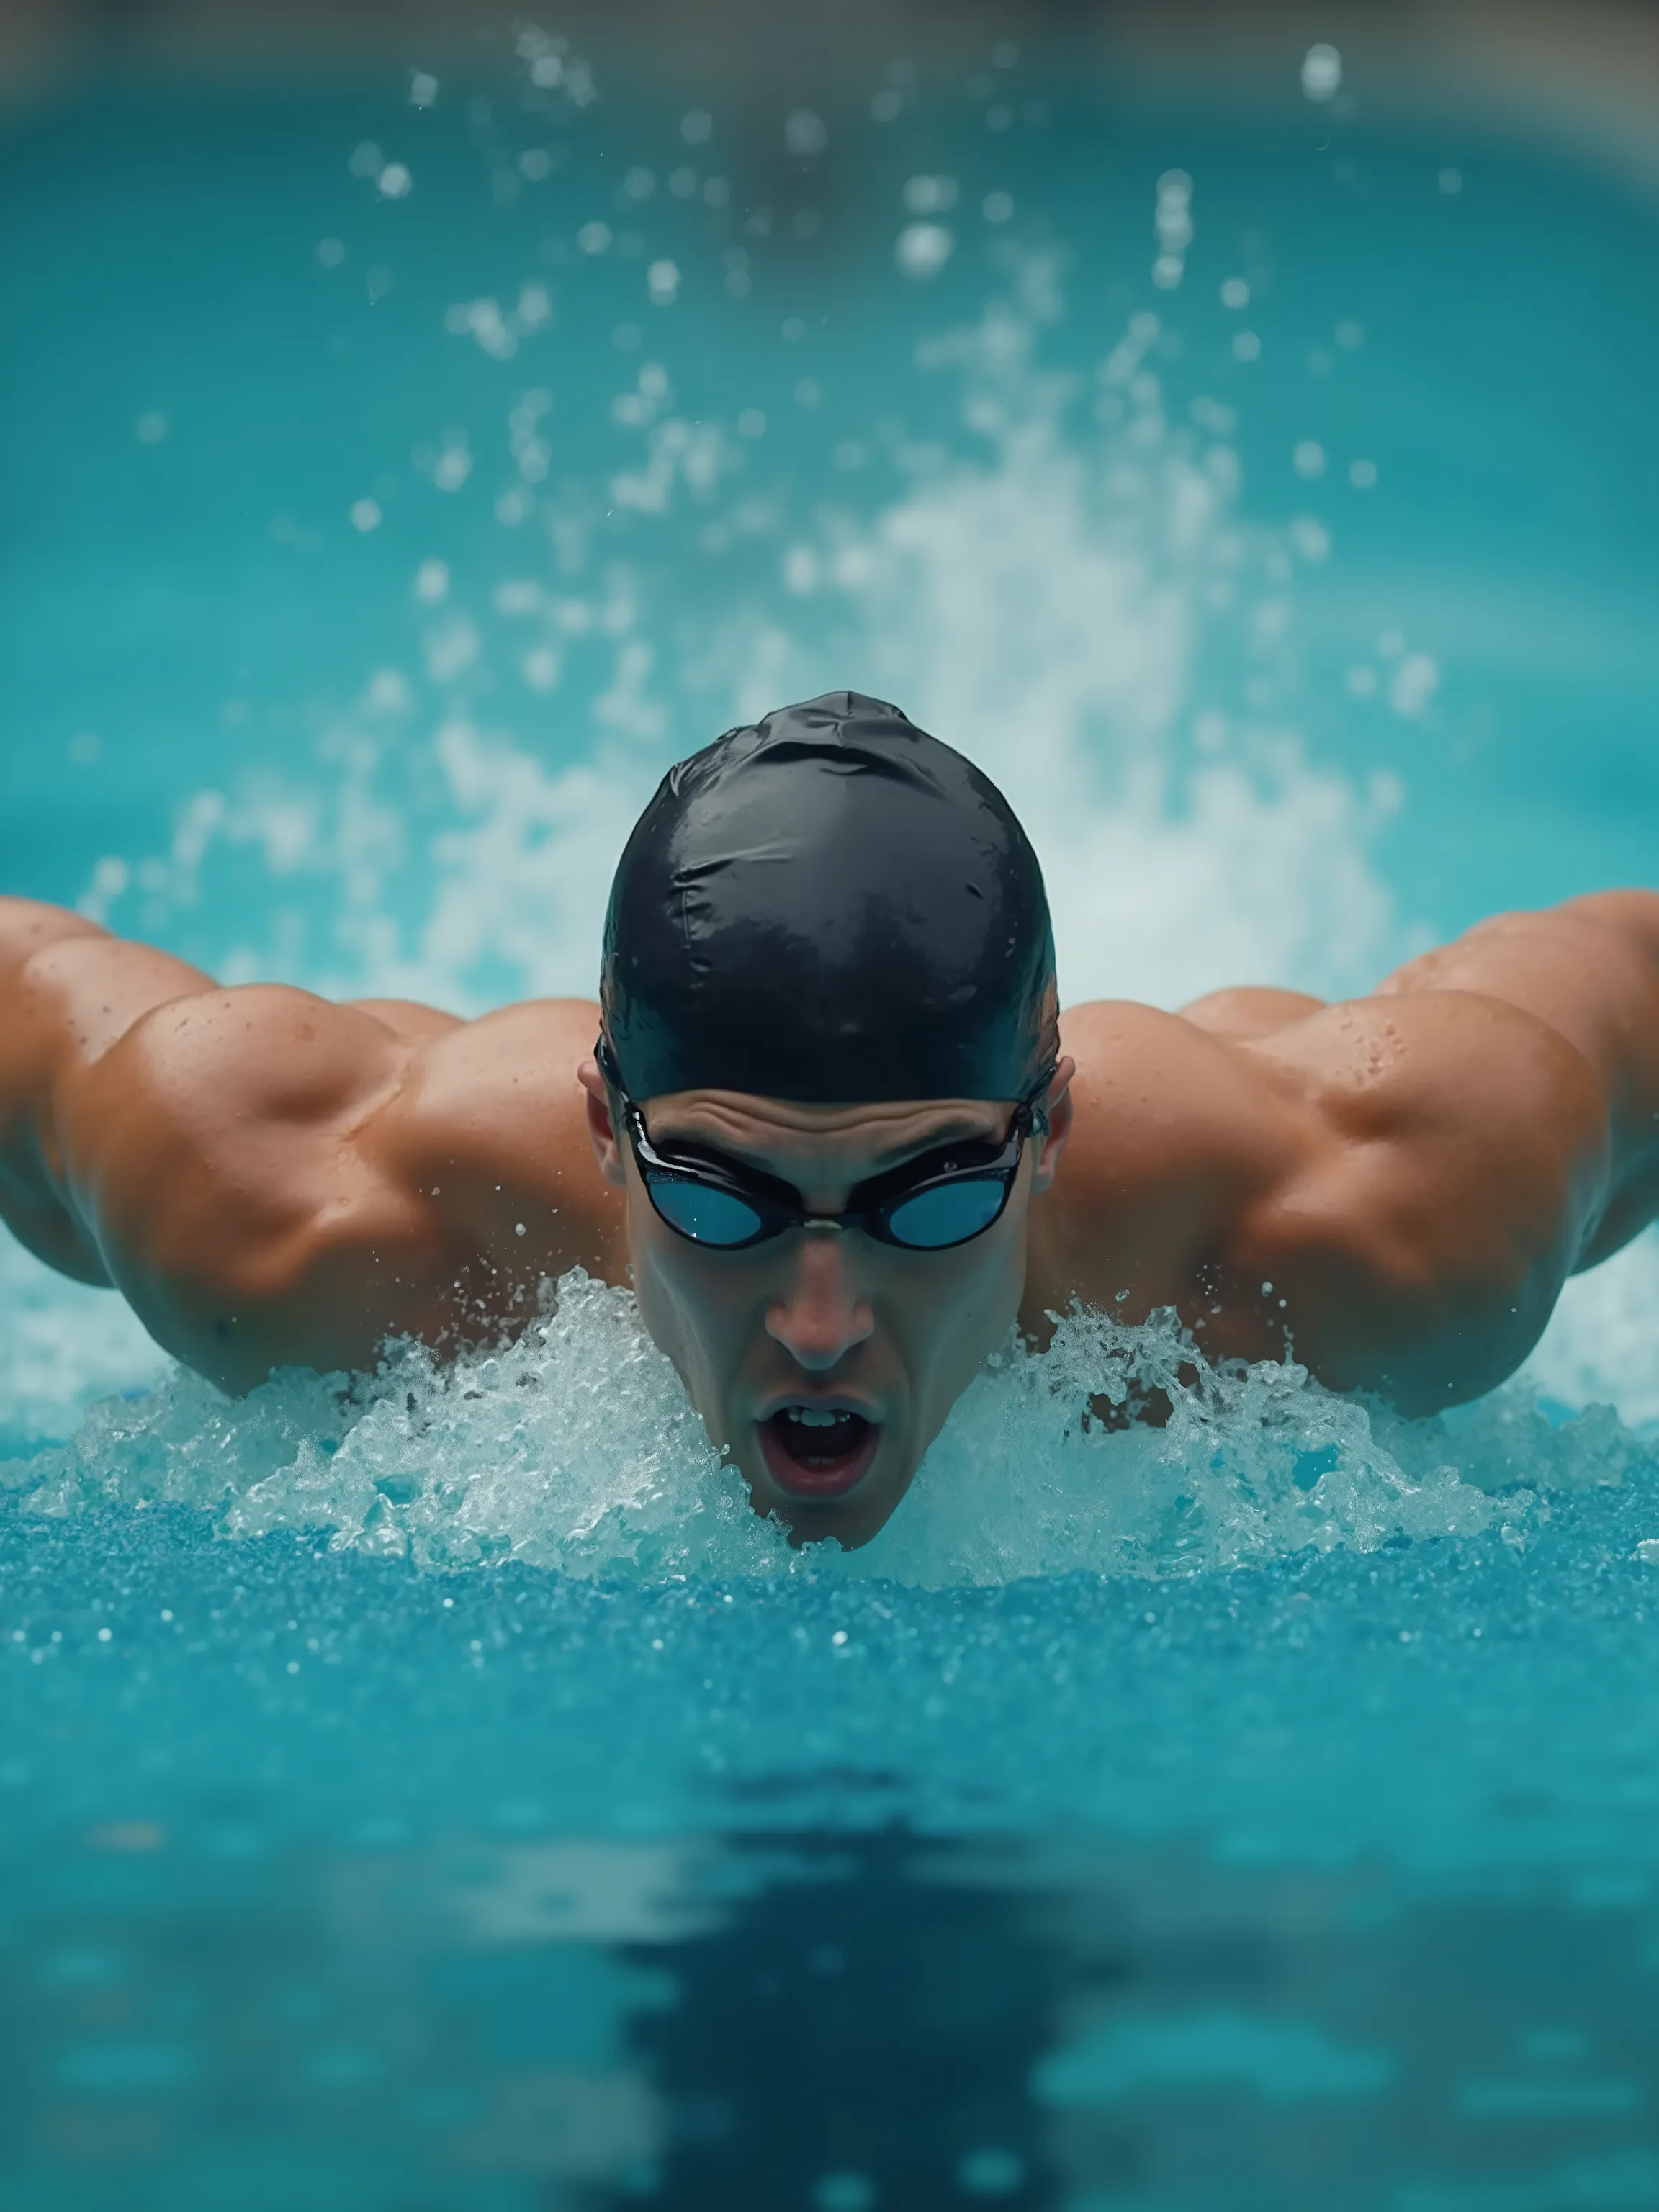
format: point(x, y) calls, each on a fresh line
point(1058, 1106)
point(601, 1129)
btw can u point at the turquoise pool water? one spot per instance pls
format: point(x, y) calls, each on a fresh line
point(441, 1794)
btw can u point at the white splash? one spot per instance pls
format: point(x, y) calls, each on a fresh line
point(1041, 607)
point(1603, 1339)
point(575, 1448)
point(1039, 591)
point(62, 1346)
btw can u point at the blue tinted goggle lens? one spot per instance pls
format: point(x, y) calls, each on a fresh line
point(949, 1213)
point(702, 1211)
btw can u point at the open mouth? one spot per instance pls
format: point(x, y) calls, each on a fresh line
point(818, 1452)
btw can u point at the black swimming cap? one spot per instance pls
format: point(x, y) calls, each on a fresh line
point(830, 907)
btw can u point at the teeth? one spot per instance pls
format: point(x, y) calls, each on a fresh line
point(816, 1417)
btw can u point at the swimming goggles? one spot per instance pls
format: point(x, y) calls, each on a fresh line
point(944, 1197)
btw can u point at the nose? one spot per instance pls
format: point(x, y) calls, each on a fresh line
point(819, 1316)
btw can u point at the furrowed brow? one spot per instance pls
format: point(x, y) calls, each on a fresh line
point(958, 1131)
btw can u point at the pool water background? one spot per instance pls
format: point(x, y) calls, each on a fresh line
point(447, 1795)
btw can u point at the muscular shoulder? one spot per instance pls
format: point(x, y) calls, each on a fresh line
point(1176, 1131)
point(280, 1180)
point(492, 1112)
point(211, 1141)
point(1386, 1187)
point(205, 1063)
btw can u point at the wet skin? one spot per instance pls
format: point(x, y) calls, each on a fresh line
point(1394, 1188)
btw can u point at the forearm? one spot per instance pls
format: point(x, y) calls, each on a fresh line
point(68, 991)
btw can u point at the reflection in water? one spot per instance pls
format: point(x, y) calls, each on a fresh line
point(857, 2032)
point(196, 2016)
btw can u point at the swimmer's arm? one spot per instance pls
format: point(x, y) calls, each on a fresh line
point(68, 990)
point(183, 1144)
point(1589, 971)
point(1250, 1012)
point(271, 1179)
point(1484, 1126)
point(1392, 1190)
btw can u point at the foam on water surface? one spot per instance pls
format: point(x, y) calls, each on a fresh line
point(573, 1447)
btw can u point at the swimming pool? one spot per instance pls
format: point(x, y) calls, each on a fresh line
point(442, 1794)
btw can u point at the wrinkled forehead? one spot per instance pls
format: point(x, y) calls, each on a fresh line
point(779, 1132)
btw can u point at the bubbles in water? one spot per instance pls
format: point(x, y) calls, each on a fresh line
point(1415, 684)
point(452, 466)
point(1309, 537)
point(152, 428)
point(997, 207)
point(1235, 292)
point(1308, 458)
point(1321, 73)
point(843, 2192)
point(593, 238)
point(1172, 224)
point(366, 515)
point(422, 88)
point(698, 127)
point(1361, 475)
point(930, 195)
point(662, 283)
point(991, 2172)
point(432, 580)
point(396, 181)
point(804, 133)
point(923, 249)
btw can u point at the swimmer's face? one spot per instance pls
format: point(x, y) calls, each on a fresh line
point(828, 1323)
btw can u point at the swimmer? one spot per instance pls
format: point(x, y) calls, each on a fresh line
point(835, 1133)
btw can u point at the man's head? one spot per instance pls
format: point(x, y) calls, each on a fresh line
point(827, 989)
